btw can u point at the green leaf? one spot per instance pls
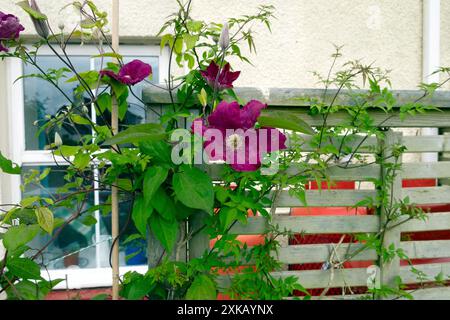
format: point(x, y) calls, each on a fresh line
point(33, 13)
point(45, 219)
point(227, 216)
point(89, 220)
point(153, 178)
point(202, 288)
point(19, 235)
point(139, 288)
point(67, 151)
point(81, 160)
point(140, 215)
point(280, 121)
point(190, 40)
point(24, 268)
point(159, 151)
point(194, 188)
point(104, 101)
point(7, 166)
point(101, 296)
point(164, 204)
point(138, 133)
point(26, 202)
point(166, 39)
point(165, 231)
point(77, 119)
point(109, 55)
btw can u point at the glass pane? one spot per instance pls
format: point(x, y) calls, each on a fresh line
point(42, 98)
point(135, 250)
point(136, 113)
point(74, 247)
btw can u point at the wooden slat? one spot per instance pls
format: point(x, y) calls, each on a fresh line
point(432, 195)
point(438, 293)
point(313, 279)
point(312, 224)
point(426, 170)
point(430, 270)
point(326, 198)
point(315, 253)
point(427, 143)
point(428, 119)
point(335, 173)
point(426, 249)
point(312, 253)
point(435, 222)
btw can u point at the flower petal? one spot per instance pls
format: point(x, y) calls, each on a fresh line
point(134, 72)
point(251, 112)
point(226, 116)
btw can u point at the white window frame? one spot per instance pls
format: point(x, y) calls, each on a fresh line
point(75, 278)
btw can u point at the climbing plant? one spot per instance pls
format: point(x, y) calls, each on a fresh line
point(156, 166)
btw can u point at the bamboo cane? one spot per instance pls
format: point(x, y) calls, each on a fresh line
point(114, 191)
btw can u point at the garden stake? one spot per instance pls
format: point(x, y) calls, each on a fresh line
point(114, 194)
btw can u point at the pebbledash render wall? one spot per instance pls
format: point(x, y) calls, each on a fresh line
point(386, 32)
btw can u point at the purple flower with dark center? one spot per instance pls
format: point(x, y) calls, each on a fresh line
point(225, 79)
point(10, 28)
point(130, 73)
point(230, 136)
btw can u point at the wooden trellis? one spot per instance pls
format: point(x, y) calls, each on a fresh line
point(289, 101)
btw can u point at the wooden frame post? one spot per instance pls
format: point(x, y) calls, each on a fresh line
point(389, 270)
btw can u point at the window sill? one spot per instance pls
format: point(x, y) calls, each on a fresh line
point(87, 278)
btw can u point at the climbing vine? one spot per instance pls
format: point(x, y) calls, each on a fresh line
point(170, 199)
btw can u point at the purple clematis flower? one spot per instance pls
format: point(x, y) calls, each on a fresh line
point(130, 73)
point(226, 77)
point(230, 136)
point(10, 28)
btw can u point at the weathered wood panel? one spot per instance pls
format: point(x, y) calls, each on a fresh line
point(435, 222)
point(432, 195)
point(426, 249)
point(326, 198)
point(312, 224)
point(315, 253)
point(426, 170)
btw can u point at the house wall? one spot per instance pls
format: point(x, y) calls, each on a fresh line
point(386, 32)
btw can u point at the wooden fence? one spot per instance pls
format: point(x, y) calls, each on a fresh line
point(289, 101)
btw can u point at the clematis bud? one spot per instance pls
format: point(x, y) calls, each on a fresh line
point(85, 109)
point(58, 141)
point(39, 24)
point(224, 40)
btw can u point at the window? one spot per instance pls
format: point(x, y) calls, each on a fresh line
point(81, 253)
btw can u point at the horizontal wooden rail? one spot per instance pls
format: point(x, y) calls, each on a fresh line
point(312, 224)
point(425, 170)
point(319, 253)
point(434, 222)
point(432, 195)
